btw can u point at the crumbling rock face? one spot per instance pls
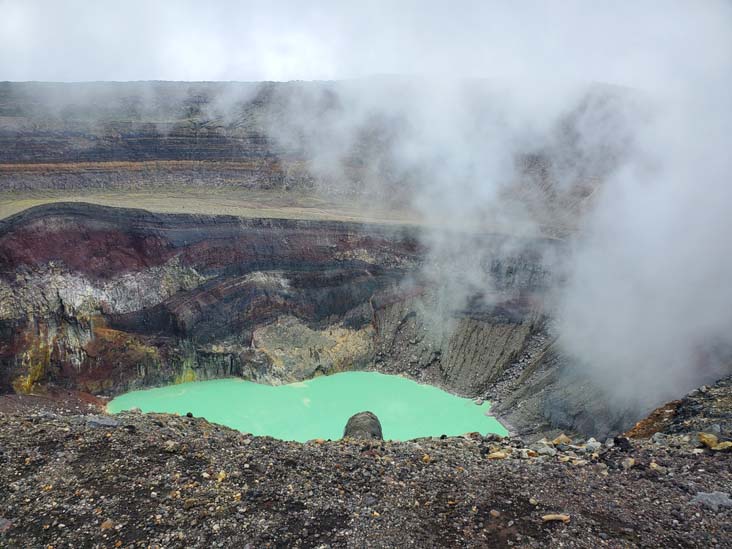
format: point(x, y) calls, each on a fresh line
point(547, 395)
point(148, 299)
point(294, 351)
point(465, 357)
point(466, 348)
point(103, 300)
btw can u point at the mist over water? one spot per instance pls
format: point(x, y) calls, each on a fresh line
point(607, 127)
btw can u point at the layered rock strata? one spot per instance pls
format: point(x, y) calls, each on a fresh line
point(103, 300)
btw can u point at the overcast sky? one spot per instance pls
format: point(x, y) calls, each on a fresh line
point(637, 43)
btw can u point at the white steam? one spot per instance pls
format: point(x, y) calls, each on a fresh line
point(460, 154)
point(648, 308)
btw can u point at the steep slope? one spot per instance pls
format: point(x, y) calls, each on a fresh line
point(267, 135)
point(101, 300)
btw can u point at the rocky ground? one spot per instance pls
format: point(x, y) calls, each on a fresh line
point(137, 480)
point(707, 409)
point(55, 400)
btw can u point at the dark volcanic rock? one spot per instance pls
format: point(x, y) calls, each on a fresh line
point(363, 425)
point(109, 296)
point(707, 409)
point(183, 482)
point(544, 395)
point(126, 134)
point(104, 299)
point(102, 242)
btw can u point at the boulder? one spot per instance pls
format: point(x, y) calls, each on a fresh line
point(363, 425)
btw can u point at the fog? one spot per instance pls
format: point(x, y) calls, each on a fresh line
point(647, 308)
point(444, 105)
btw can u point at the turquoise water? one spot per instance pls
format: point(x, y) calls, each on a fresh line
point(320, 407)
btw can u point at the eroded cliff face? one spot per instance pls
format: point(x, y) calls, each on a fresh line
point(273, 135)
point(126, 135)
point(465, 354)
point(103, 299)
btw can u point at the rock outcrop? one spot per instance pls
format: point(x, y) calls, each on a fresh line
point(363, 425)
point(705, 409)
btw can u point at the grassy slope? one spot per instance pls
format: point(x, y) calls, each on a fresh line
point(239, 202)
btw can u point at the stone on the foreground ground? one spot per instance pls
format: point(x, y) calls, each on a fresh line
point(435, 492)
point(592, 446)
point(556, 517)
point(363, 425)
point(543, 449)
point(562, 439)
point(101, 421)
point(659, 438)
point(708, 439)
point(713, 500)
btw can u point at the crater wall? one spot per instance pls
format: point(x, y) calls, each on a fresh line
point(102, 299)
